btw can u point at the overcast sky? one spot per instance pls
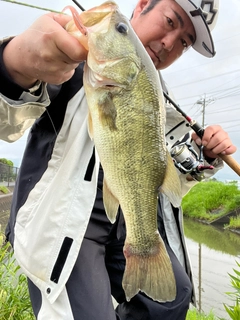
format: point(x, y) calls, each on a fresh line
point(192, 78)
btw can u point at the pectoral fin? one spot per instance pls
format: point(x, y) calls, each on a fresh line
point(107, 111)
point(171, 186)
point(111, 204)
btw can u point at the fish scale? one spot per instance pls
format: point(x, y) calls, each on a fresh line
point(126, 122)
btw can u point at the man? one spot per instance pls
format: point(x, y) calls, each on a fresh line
point(62, 238)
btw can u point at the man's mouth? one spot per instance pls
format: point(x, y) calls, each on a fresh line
point(153, 56)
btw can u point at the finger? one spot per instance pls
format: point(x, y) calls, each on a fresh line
point(71, 49)
point(210, 133)
point(230, 150)
point(69, 46)
point(220, 147)
point(61, 18)
point(196, 138)
point(225, 147)
point(220, 139)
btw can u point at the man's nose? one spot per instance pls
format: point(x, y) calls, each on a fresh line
point(169, 41)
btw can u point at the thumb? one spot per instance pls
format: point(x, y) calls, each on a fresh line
point(196, 138)
point(62, 18)
point(194, 135)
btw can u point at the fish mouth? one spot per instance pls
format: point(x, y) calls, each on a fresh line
point(96, 80)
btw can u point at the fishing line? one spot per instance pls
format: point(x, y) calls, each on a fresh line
point(78, 4)
point(51, 122)
point(30, 6)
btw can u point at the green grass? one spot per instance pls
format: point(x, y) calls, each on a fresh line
point(14, 297)
point(15, 302)
point(234, 222)
point(210, 200)
point(234, 309)
point(4, 190)
point(193, 314)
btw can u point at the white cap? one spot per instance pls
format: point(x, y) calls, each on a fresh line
point(203, 14)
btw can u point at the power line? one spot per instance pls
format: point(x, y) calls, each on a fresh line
point(233, 36)
point(212, 77)
point(216, 91)
point(202, 64)
point(227, 82)
point(225, 110)
point(232, 131)
point(228, 121)
point(235, 125)
point(231, 94)
point(231, 88)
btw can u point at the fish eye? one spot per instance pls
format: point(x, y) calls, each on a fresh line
point(122, 28)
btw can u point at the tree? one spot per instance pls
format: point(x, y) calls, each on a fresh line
point(6, 169)
point(6, 161)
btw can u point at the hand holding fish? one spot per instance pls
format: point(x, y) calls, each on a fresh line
point(45, 52)
point(215, 141)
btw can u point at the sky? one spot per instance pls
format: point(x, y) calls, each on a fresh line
point(192, 78)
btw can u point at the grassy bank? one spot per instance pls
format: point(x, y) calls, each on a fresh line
point(212, 199)
point(14, 298)
point(15, 302)
point(193, 314)
point(234, 223)
point(4, 190)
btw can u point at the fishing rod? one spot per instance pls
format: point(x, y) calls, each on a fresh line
point(229, 160)
point(78, 4)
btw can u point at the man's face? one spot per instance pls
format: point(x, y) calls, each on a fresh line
point(165, 31)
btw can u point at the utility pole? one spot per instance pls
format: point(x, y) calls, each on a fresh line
point(203, 111)
point(202, 102)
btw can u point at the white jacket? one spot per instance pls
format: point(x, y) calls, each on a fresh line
point(56, 211)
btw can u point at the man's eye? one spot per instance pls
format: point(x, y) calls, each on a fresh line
point(170, 22)
point(184, 43)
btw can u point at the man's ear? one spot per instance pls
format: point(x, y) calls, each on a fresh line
point(140, 7)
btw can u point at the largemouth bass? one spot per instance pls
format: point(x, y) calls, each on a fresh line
point(126, 121)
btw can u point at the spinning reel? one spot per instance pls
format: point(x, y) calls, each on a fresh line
point(187, 160)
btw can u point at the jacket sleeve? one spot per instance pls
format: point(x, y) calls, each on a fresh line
point(178, 130)
point(18, 107)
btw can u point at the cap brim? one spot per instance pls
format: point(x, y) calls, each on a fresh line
point(204, 42)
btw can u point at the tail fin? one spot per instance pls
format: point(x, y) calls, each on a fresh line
point(151, 273)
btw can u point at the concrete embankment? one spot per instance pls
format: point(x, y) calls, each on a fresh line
point(5, 205)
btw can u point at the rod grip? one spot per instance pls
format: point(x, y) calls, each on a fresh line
point(231, 162)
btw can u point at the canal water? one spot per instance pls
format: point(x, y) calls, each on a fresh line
point(213, 253)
